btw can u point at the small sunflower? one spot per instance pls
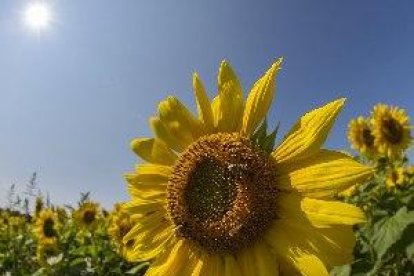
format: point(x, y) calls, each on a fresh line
point(392, 130)
point(395, 177)
point(120, 223)
point(46, 227)
point(209, 201)
point(361, 137)
point(87, 215)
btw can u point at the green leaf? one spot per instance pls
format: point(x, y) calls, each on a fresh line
point(269, 141)
point(343, 270)
point(41, 271)
point(410, 250)
point(388, 231)
point(137, 268)
point(260, 133)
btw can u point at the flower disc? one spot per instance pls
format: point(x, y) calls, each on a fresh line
point(222, 192)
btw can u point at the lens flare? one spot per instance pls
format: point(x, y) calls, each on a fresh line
point(38, 16)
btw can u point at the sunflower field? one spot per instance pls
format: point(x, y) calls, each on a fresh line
point(215, 195)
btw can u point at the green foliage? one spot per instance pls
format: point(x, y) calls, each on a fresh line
point(79, 252)
point(262, 139)
point(385, 244)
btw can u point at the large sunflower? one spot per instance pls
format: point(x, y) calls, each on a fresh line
point(361, 137)
point(46, 227)
point(209, 201)
point(392, 130)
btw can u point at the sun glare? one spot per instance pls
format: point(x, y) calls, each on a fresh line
point(37, 16)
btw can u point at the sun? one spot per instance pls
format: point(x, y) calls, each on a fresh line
point(37, 16)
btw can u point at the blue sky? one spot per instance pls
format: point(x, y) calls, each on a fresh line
point(73, 96)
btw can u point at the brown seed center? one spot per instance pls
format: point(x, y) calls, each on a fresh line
point(89, 216)
point(49, 228)
point(367, 137)
point(392, 130)
point(222, 193)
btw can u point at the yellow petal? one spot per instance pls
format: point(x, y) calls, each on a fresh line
point(333, 246)
point(259, 99)
point(231, 267)
point(324, 213)
point(310, 265)
point(154, 192)
point(322, 174)
point(172, 262)
point(205, 112)
point(149, 174)
point(209, 264)
point(320, 213)
point(230, 109)
point(309, 133)
point(164, 134)
point(153, 151)
point(142, 207)
point(151, 236)
point(258, 260)
point(179, 121)
point(215, 107)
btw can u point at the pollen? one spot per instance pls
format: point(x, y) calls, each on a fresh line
point(222, 193)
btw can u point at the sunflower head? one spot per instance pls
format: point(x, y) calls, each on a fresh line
point(87, 216)
point(46, 227)
point(120, 223)
point(209, 201)
point(215, 192)
point(392, 130)
point(361, 137)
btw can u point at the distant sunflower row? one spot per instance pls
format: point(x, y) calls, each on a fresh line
point(86, 219)
point(56, 240)
point(386, 133)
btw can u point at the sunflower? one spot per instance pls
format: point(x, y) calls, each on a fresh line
point(392, 130)
point(46, 227)
point(209, 201)
point(395, 177)
point(120, 223)
point(87, 215)
point(360, 136)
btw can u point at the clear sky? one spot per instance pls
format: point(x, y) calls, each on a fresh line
point(74, 95)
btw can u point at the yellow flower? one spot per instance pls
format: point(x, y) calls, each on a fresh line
point(46, 227)
point(395, 177)
point(391, 129)
point(208, 201)
point(360, 136)
point(120, 223)
point(349, 192)
point(87, 215)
